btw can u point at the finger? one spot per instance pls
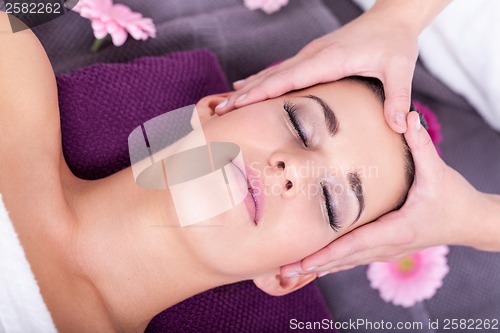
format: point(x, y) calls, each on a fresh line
point(252, 80)
point(380, 254)
point(305, 52)
point(428, 164)
point(267, 87)
point(381, 232)
point(248, 80)
point(291, 270)
point(301, 75)
point(397, 88)
point(240, 83)
point(294, 73)
point(356, 259)
point(330, 267)
point(335, 270)
point(227, 104)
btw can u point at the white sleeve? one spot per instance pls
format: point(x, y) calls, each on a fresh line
point(462, 48)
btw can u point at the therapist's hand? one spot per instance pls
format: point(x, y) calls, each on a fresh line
point(376, 44)
point(442, 208)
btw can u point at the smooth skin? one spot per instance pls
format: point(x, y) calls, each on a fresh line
point(442, 207)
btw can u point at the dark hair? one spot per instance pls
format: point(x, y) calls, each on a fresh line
point(378, 89)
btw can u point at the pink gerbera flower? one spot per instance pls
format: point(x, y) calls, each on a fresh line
point(432, 122)
point(268, 6)
point(411, 279)
point(117, 20)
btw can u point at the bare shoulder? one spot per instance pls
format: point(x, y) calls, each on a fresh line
point(29, 115)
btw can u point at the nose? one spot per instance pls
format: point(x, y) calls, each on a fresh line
point(283, 176)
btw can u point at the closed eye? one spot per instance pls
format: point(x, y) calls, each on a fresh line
point(332, 217)
point(291, 111)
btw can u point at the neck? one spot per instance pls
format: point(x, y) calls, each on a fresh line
point(139, 262)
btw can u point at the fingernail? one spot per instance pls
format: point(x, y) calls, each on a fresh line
point(401, 119)
point(235, 83)
point(291, 275)
point(222, 104)
point(323, 274)
point(418, 125)
point(312, 268)
point(241, 98)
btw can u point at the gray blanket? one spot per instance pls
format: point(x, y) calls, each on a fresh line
point(246, 42)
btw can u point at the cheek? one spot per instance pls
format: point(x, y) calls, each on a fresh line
point(295, 231)
point(245, 126)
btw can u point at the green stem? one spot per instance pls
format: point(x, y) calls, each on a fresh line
point(98, 43)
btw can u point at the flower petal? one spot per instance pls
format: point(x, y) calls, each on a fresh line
point(97, 24)
point(116, 20)
point(119, 36)
point(100, 33)
point(135, 32)
point(418, 278)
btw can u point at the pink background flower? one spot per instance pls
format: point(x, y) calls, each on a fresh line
point(411, 279)
point(433, 122)
point(116, 20)
point(268, 6)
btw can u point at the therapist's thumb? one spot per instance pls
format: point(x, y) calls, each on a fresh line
point(397, 90)
point(428, 164)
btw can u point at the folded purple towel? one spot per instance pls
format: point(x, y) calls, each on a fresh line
point(100, 105)
point(243, 308)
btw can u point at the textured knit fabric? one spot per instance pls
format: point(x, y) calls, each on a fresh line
point(100, 105)
point(103, 103)
point(242, 308)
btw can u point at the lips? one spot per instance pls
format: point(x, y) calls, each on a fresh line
point(254, 199)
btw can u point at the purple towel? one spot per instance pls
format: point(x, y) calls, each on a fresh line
point(242, 308)
point(100, 105)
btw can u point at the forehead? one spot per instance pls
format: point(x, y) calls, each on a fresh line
point(364, 143)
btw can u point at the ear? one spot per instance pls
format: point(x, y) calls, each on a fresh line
point(206, 108)
point(276, 285)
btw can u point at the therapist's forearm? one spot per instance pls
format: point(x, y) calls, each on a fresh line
point(417, 14)
point(488, 224)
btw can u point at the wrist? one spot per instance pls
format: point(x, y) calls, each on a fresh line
point(485, 222)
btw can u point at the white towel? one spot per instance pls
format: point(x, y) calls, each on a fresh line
point(22, 308)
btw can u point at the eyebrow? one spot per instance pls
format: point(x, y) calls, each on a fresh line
point(352, 177)
point(357, 188)
point(331, 121)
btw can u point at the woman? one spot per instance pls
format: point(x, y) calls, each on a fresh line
point(107, 255)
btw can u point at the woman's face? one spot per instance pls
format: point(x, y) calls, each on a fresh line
point(320, 162)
